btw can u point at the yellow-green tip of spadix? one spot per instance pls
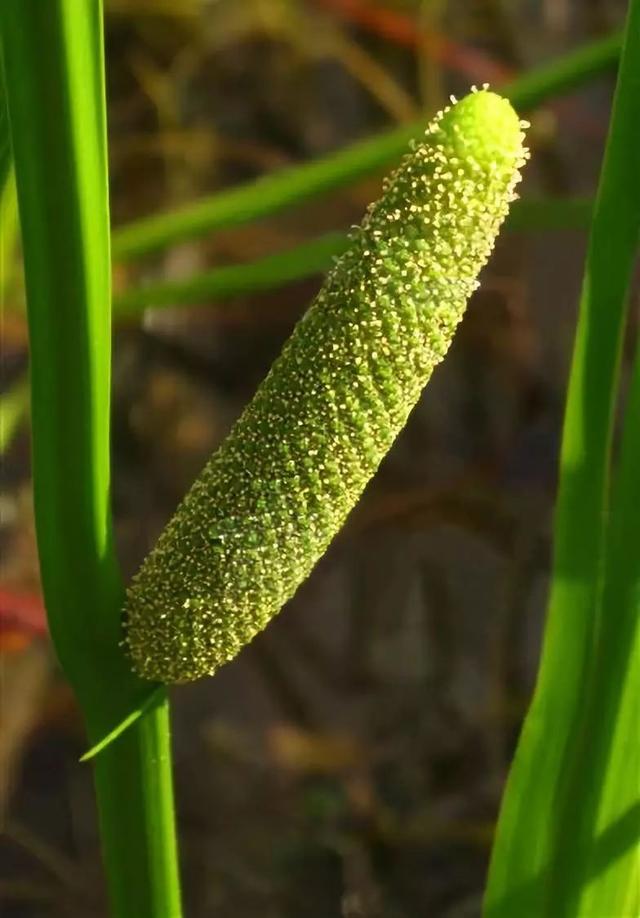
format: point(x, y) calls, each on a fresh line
point(274, 495)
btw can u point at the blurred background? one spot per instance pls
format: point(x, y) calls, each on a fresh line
point(349, 763)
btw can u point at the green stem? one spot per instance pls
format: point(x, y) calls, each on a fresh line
point(538, 816)
point(137, 826)
point(272, 193)
point(52, 58)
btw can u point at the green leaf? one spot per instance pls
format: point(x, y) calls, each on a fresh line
point(542, 831)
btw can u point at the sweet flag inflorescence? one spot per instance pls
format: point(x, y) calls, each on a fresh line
point(274, 495)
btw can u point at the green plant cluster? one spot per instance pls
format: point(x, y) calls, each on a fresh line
point(273, 497)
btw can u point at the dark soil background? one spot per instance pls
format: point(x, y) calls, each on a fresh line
point(349, 763)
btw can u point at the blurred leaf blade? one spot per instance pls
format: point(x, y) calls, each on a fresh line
point(14, 409)
point(5, 143)
point(8, 201)
point(272, 193)
point(315, 257)
point(267, 273)
point(274, 271)
point(52, 57)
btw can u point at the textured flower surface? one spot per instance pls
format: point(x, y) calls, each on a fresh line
point(274, 495)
